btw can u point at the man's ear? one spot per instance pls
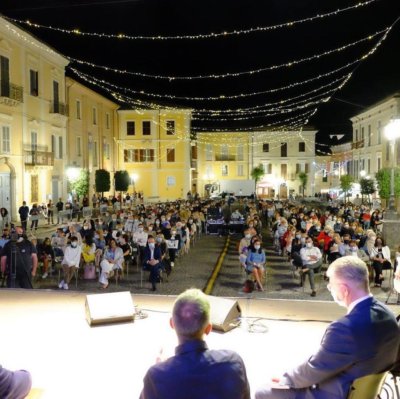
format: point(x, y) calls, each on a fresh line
point(171, 323)
point(208, 329)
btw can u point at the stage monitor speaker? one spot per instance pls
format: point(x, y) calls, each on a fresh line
point(109, 308)
point(224, 313)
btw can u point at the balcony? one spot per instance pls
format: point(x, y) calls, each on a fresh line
point(357, 144)
point(225, 158)
point(38, 156)
point(58, 108)
point(11, 94)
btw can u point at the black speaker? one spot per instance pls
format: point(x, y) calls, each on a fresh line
point(109, 308)
point(224, 313)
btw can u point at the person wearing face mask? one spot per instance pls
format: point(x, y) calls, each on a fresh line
point(140, 238)
point(112, 262)
point(255, 263)
point(312, 260)
point(70, 262)
point(353, 250)
point(363, 342)
point(243, 247)
point(19, 273)
point(152, 259)
point(380, 256)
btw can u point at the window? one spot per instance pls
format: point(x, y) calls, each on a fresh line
point(298, 168)
point(284, 171)
point(60, 147)
point(95, 154)
point(170, 127)
point(379, 133)
point(269, 169)
point(369, 135)
point(362, 133)
point(5, 139)
point(107, 120)
point(283, 150)
point(130, 128)
point(302, 146)
point(78, 110)
point(139, 155)
point(387, 151)
point(224, 153)
point(78, 146)
point(107, 151)
point(240, 170)
point(34, 188)
point(306, 168)
point(378, 163)
point(170, 154)
point(53, 144)
point(266, 147)
point(356, 135)
point(4, 76)
point(34, 82)
point(209, 152)
point(369, 166)
point(240, 153)
point(34, 141)
point(56, 97)
point(146, 128)
point(224, 170)
point(94, 116)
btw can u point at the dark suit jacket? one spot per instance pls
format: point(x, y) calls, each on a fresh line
point(147, 254)
point(197, 373)
point(366, 341)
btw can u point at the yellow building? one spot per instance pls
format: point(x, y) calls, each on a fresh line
point(154, 147)
point(91, 130)
point(33, 119)
point(222, 157)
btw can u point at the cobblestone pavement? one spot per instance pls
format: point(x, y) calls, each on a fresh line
point(195, 268)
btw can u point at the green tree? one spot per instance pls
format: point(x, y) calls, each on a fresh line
point(303, 177)
point(367, 187)
point(80, 185)
point(102, 181)
point(256, 174)
point(383, 181)
point(345, 184)
point(122, 181)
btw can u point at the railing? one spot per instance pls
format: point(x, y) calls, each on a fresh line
point(38, 158)
point(11, 91)
point(357, 144)
point(58, 108)
point(225, 158)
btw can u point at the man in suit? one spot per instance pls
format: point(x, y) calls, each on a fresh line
point(196, 372)
point(152, 259)
point(365, 341)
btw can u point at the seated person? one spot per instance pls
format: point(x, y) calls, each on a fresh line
point(112, 260)
point(59, 243)
point(236, 215)
point(243, 247)
point(357, 252)
point(45, 254)
point(312, 260)
point(255, 263)
point(152, 259)
point(14, 384)
point(380, 256)
point(70, 262)
point(333, 248)
point(88, 250)
point(195, 372)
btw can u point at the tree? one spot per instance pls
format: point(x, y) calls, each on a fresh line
point(102, 181)
point(367, 187)
point(383, 181)
point(122, 181)
point(80, 185)
point(345, 184)
point(256, 174)
point(303, 177)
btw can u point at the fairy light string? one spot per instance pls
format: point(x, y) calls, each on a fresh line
point(212, 35)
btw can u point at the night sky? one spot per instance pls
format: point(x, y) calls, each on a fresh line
point(372, 80)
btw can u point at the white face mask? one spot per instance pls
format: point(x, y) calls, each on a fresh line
point(257, 247)
point(309, 244)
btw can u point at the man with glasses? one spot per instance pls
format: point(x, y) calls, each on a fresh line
point(312, 260)
point(365, 341)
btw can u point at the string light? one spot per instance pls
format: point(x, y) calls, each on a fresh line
point(220, 97)
point(234, 74)
point(223, 34)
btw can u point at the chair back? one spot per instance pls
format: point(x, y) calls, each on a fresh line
point(367, 387)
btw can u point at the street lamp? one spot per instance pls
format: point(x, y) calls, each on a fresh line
point(392, 133)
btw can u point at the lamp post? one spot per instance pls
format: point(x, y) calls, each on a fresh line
point(392, 133)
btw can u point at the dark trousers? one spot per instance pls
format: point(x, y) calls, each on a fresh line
point(378, 267)
point(172, 254)
point(23, 279)
point(154, 273)
point(34, 224)
point(24, 224)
